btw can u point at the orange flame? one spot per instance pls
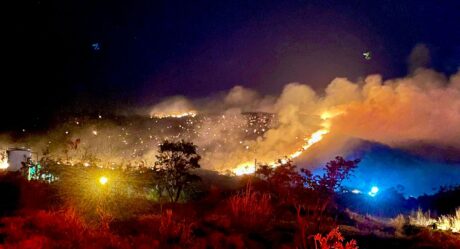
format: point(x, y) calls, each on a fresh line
point(175, 115)
point(249, 167)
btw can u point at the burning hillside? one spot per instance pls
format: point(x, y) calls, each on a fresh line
point(234, 129)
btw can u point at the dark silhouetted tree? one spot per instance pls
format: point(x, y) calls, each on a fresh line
point(175, 160)
point(331, 180)
point(322, 188)
point(283, 181)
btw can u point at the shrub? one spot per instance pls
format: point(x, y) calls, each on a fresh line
point(421, 219)
point(398, 223)
point(284, 181)
point(334, 240)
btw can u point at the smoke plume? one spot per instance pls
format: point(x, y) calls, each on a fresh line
point(423, 107)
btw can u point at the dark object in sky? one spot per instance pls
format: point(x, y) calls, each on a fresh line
point(96, 46)
point(367, 55)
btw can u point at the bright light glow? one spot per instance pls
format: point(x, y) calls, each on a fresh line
point(374, 191)
point(244, 169)
point(175, 115)
point(103, 180)
point(3, 161)
point(356, 191)
point(4, 165)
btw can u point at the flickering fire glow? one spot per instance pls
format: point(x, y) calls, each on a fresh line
point(175, 115)
point(4, 165)
point(3, 161)
point(317, 136)
point(245, 126)
point(245, 168)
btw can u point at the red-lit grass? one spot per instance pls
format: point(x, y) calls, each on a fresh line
point(250, 207)
point(57, 229)
point(333, 240)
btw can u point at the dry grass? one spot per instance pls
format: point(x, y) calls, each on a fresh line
point(449, 222)
point(421, 219)
point(250, 207)
point(368, 224)
point(171, 229)
point(444, 222)
point(58, 229)
point(398, 223)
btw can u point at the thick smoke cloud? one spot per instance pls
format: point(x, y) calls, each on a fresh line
point(421, 108)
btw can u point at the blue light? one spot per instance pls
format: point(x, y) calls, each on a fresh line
point(96, 46)
point(356, 191)
point(374, 191)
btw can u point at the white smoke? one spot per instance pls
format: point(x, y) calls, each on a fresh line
point(422, 107)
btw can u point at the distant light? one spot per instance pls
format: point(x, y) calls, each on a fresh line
point(367, 55)
point(374, 191)
point(174, 115)
point(103, 180)
point(356, 191)
point(96, 46)
point(95, 133)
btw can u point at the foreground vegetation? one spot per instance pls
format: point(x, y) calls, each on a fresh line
point(177, 205)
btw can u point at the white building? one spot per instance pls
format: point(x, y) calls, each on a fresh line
point(17, 156)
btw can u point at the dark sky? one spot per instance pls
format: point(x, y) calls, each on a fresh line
point(152, 49)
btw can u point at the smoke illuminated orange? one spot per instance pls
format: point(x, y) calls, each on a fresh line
point(175, 115)
point(250, 167)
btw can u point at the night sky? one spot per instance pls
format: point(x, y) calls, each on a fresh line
point(93, 56)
